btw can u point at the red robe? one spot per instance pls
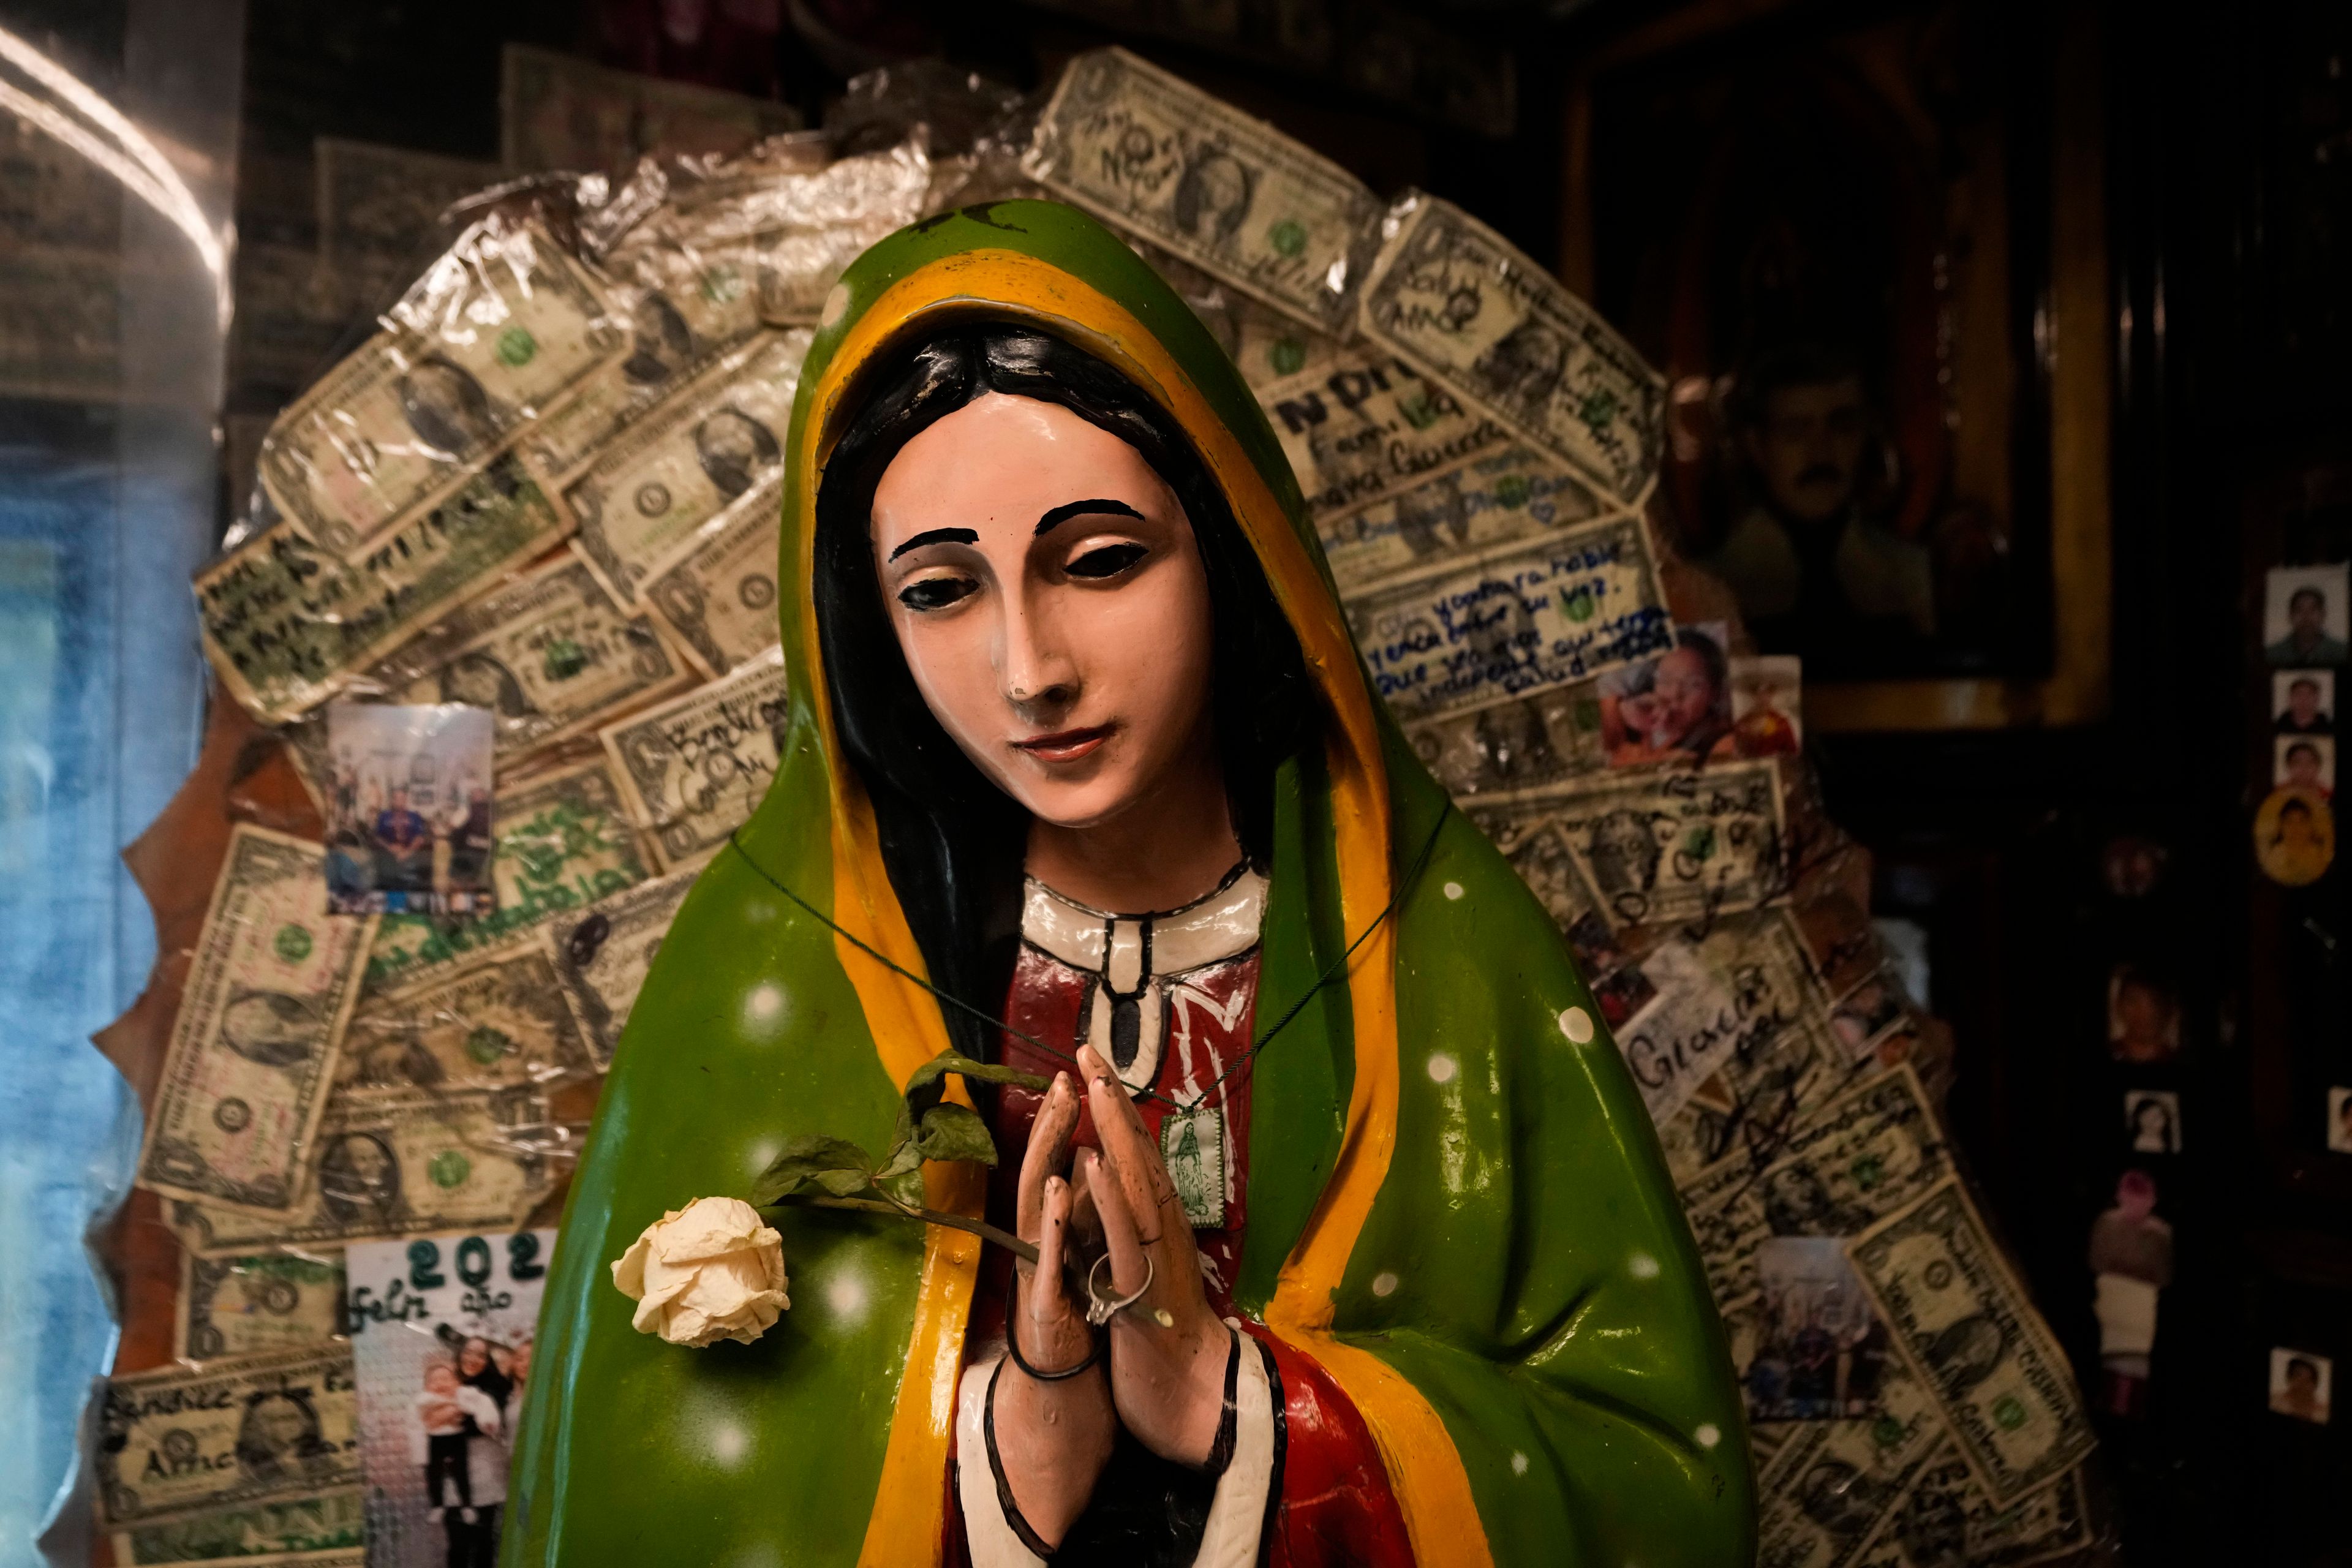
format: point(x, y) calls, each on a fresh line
point(1169, 1000)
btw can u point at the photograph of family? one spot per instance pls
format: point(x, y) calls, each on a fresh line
point(441, 1387)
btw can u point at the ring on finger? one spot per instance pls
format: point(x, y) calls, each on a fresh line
point(1100, 1311)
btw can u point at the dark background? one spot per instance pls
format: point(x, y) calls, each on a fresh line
point(2228, 158)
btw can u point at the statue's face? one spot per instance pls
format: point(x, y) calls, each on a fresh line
point(1052, 604)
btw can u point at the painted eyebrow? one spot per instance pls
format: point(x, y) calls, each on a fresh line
point(937, 536)
point(1068, 510)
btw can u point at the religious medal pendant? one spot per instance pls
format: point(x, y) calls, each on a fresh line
point(1193, 1148)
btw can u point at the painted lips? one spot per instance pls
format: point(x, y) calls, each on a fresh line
point(1065, 745)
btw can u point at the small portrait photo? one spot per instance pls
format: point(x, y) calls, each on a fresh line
point(2339, 1120)
point(2133, 865)
point(2304, 616)
point(2304, 762)
point(2294, 837)
point(2131, 1263)
point(1676, 708)
point(2301, 1385)
point(408, 809)
point(1868, 1012)
point(1821, 1351)
point(2143, 1016)
point(2302, 702)
point(1766, 721)
point(2152, 1118)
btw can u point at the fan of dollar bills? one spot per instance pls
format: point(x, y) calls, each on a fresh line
point(547, 485)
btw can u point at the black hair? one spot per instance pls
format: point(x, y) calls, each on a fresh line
point(2306, 747)
point(1710, 654)
point(1801, 362)
point(951, 841)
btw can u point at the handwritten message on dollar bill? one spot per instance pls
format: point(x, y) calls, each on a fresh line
point(288, 624)
point(175, 1442)
point(696, 767)
point(1369, 427)
point(549, 654)
point(1192, 174)
point(253, 1050)
point(564, 840)
point(1454, 297)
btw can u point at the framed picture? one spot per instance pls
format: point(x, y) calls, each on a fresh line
point(1848, 236)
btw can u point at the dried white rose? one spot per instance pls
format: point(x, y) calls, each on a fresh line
point(709, 1271)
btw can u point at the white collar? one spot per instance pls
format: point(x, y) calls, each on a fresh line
point(1127, 950)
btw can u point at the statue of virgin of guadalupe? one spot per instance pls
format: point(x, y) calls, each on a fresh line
point(1083, 774)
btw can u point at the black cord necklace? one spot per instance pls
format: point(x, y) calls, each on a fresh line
point(1330, 972)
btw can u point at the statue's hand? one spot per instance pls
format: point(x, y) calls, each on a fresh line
point(1052, 1437)
point(1168, 1379)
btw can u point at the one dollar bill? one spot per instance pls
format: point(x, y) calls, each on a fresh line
point(718, 597)
point(603, 954)
point(268, 1302)
point(502, 329)
point(1964, 1323)
point(1831, 1488)
point(175, 1443)
point(1458, 514)
point(496, 1021)
point(696, 767)
point(550, 655)
point(330, 1528)
point(1843, 1169)
point(677, 468)
point(287, 624)
point(1525, 617)
point(392, 1167)
point(1369, 427)
point(1456, 298)
point(1657, 845)
point(1193, 175)
point(252, 1053)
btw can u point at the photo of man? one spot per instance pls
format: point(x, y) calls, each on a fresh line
point(1814, 574)
point(2304, 762)
point(2305, 615)
point(2301, 1385)
point(2339, 1120)
point(2302, 702)
point(2143, 1018)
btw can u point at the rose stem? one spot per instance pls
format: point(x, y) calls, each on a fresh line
point(979, 1228)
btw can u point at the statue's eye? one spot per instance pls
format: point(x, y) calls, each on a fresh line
point(1107, 560)
point(936, 592)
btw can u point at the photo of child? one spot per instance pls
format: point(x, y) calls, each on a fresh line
point(1676, 708)
point(450, 1417)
